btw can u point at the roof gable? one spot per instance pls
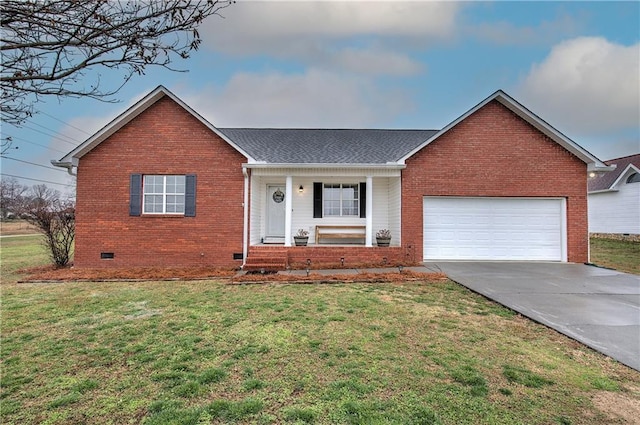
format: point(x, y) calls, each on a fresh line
point(593, 163)
point(623, 168)
point(72, 158)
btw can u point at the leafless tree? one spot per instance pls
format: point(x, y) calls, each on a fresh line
point(55, 219)
point(12, 197)
point(59, 47)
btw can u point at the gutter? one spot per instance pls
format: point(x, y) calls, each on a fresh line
point(67, 165)
point(602, 191)
point(387, 166)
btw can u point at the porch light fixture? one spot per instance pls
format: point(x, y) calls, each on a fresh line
point(301, 189)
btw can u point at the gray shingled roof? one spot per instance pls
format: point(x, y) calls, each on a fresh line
point(326, 146)
point(605, 180)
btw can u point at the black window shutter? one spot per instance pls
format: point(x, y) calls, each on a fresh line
point(190, 195)
point(363, 200)
point(135, 195)
point(317, 200)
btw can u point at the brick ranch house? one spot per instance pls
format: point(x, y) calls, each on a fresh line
point(161, 186)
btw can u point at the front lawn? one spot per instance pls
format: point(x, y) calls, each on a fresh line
point(206, 352)
point(616, 254)
point(200, 352)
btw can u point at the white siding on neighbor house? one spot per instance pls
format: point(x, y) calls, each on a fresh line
point(615, 212)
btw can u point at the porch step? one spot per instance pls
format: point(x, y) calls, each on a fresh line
point(266, 258)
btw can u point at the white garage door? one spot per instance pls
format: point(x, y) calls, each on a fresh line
point(494, 229)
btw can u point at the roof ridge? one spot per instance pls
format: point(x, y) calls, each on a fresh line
point(330, 129)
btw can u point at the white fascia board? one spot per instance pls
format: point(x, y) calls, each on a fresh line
point(594, 164)
point(388, 166)
point(113, 126)
point(127, 116)
point(625, 175)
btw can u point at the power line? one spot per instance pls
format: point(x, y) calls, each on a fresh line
point(51, 135)
point(55, 133)
point(37, 180)
point(65, 123)
point(33, 163)
point(37, 144)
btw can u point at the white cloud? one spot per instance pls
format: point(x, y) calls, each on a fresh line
point(328, 34)
point(544, 33)
point(586, 84)
point(250, 26)
point(315, 98)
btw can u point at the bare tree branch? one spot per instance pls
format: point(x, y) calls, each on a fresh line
point(52, 47)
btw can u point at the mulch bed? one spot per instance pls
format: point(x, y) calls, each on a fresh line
point(70, 274)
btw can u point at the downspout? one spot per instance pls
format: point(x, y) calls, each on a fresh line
point(245, 226)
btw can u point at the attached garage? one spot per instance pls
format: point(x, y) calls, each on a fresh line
point(483, 228)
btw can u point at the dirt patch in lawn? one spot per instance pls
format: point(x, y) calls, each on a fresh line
point(618, 406)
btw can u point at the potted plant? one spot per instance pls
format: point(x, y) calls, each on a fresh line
point(301, 238)
point(383, 237)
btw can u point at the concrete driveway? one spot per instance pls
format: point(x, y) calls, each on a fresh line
point(598, 307)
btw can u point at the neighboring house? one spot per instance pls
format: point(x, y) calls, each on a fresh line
point(161, 186)
point(614, 198)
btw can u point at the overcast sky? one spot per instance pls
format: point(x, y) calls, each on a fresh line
point(359, 64)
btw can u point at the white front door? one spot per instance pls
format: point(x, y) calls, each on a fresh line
point(275, 213)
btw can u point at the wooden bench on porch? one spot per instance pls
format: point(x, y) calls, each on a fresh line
point(340, 232)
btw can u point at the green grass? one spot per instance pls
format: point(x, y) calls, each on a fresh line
point(204, 352)
point(19, 252)
point(615, 254)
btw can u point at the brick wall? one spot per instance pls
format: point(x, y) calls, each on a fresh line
point(493, 152)
point(164, 139)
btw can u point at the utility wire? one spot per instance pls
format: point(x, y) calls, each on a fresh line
point(51, 135)
point(65, 123)
point(37, 180)
point(55, 133)
point(37, 144)
point(33, 163)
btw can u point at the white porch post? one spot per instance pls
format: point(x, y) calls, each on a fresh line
point(369, 213)
point(288, 204)
point(245, 218)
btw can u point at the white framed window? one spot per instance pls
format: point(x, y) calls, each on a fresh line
point(340, 200)
point(163, 194)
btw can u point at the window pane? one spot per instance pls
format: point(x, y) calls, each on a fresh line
point(350, 208)
point(164, 194)
point(332, 208)
point(175, 203)
point(153, 203)
point(153, 184)
point(175, 184)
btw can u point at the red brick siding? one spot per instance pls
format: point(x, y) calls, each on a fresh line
point(164, 139)
point(493, 152)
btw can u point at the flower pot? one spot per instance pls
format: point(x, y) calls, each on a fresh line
point(383, 241)
point(301, 240)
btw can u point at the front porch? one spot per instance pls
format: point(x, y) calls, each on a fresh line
point(273, 257)
point(284, 201)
